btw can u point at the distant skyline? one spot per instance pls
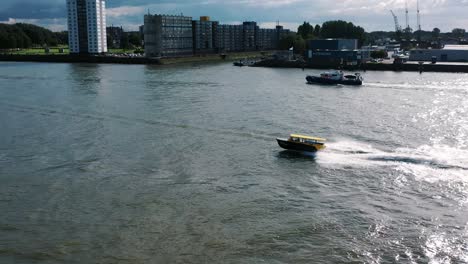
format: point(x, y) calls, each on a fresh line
point(373, 15)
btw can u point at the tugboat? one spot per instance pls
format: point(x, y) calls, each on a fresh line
point(335, 77)
point(244, 62)
point(302, 143)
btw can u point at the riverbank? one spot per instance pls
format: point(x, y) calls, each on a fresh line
point(129, 60)
point(415, 67)
point(78, 59)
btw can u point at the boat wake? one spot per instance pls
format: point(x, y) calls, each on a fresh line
point(430, 163)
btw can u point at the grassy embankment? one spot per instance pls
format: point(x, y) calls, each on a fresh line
point(39, 51)
point(56, 51)
point(214, 57)
point(166, 61)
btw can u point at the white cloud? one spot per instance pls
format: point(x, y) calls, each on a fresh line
point(254, 3)
point(10, 21)
point(370, 14)
point(54, 24)
point(125, 11)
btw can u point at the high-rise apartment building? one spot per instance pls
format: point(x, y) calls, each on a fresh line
point(203, 35)
point(249, 34)
point(168, 36)
point(87, 26)
point(229, 38)
point(265, 39)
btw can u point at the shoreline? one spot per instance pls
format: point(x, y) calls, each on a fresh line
point(409, 67)
point(208, 58)
point(128, 60)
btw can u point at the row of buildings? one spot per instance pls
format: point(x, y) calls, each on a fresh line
point(165, 35)
point(169, 35)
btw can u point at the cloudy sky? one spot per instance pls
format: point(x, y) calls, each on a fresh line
point(370, 14)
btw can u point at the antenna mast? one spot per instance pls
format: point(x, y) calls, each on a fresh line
point(407, 18)
point(419, 23)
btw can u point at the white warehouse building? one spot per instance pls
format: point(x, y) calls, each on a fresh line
point(450, 53)
point(87, 26)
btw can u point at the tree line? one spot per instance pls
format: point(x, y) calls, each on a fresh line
point(425, 35)
point(127, 40)
point(329, 29)
point(343, 29)
point(23, 35)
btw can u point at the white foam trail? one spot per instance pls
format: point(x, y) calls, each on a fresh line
point(428, 163)
point(438, 246)
point(348, 153)
point(460, 84)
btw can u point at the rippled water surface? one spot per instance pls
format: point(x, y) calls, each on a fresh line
point(144, 164)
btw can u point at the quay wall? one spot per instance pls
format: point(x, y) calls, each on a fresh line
point(77, 59)
point(369, 66)
point(130, 60)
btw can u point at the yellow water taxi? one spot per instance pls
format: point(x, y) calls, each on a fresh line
point(302, 143)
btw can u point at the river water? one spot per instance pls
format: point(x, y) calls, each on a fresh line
point(148, 164)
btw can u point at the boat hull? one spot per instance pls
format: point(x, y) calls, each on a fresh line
point(284, 143)
point(319, 80)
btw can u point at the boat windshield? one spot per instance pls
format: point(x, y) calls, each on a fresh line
point(336, 75)
point(304, 140)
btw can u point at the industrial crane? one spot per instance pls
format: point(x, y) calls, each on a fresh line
point(397, 26)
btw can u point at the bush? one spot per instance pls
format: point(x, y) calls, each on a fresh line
point(379, 54)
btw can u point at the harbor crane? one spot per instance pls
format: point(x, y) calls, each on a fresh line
point(395, 18)
point(397, 26)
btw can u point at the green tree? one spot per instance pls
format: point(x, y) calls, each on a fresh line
point(12, 43)
point(299, 44)
point(286, 42)
point(3, 39)
point(458, 33)
point(306, 30)
point(294, 41)
point(125, 43)
point(61, 37)
point(317, 30)
point(435, 33)
point(379, 54)
point(407, 33)
point(13, 37)
point(134, 39)
point(343, 29)
point(398, 35)
point(26, 35)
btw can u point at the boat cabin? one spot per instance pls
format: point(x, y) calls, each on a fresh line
point(306, 139)
point(334, 75)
